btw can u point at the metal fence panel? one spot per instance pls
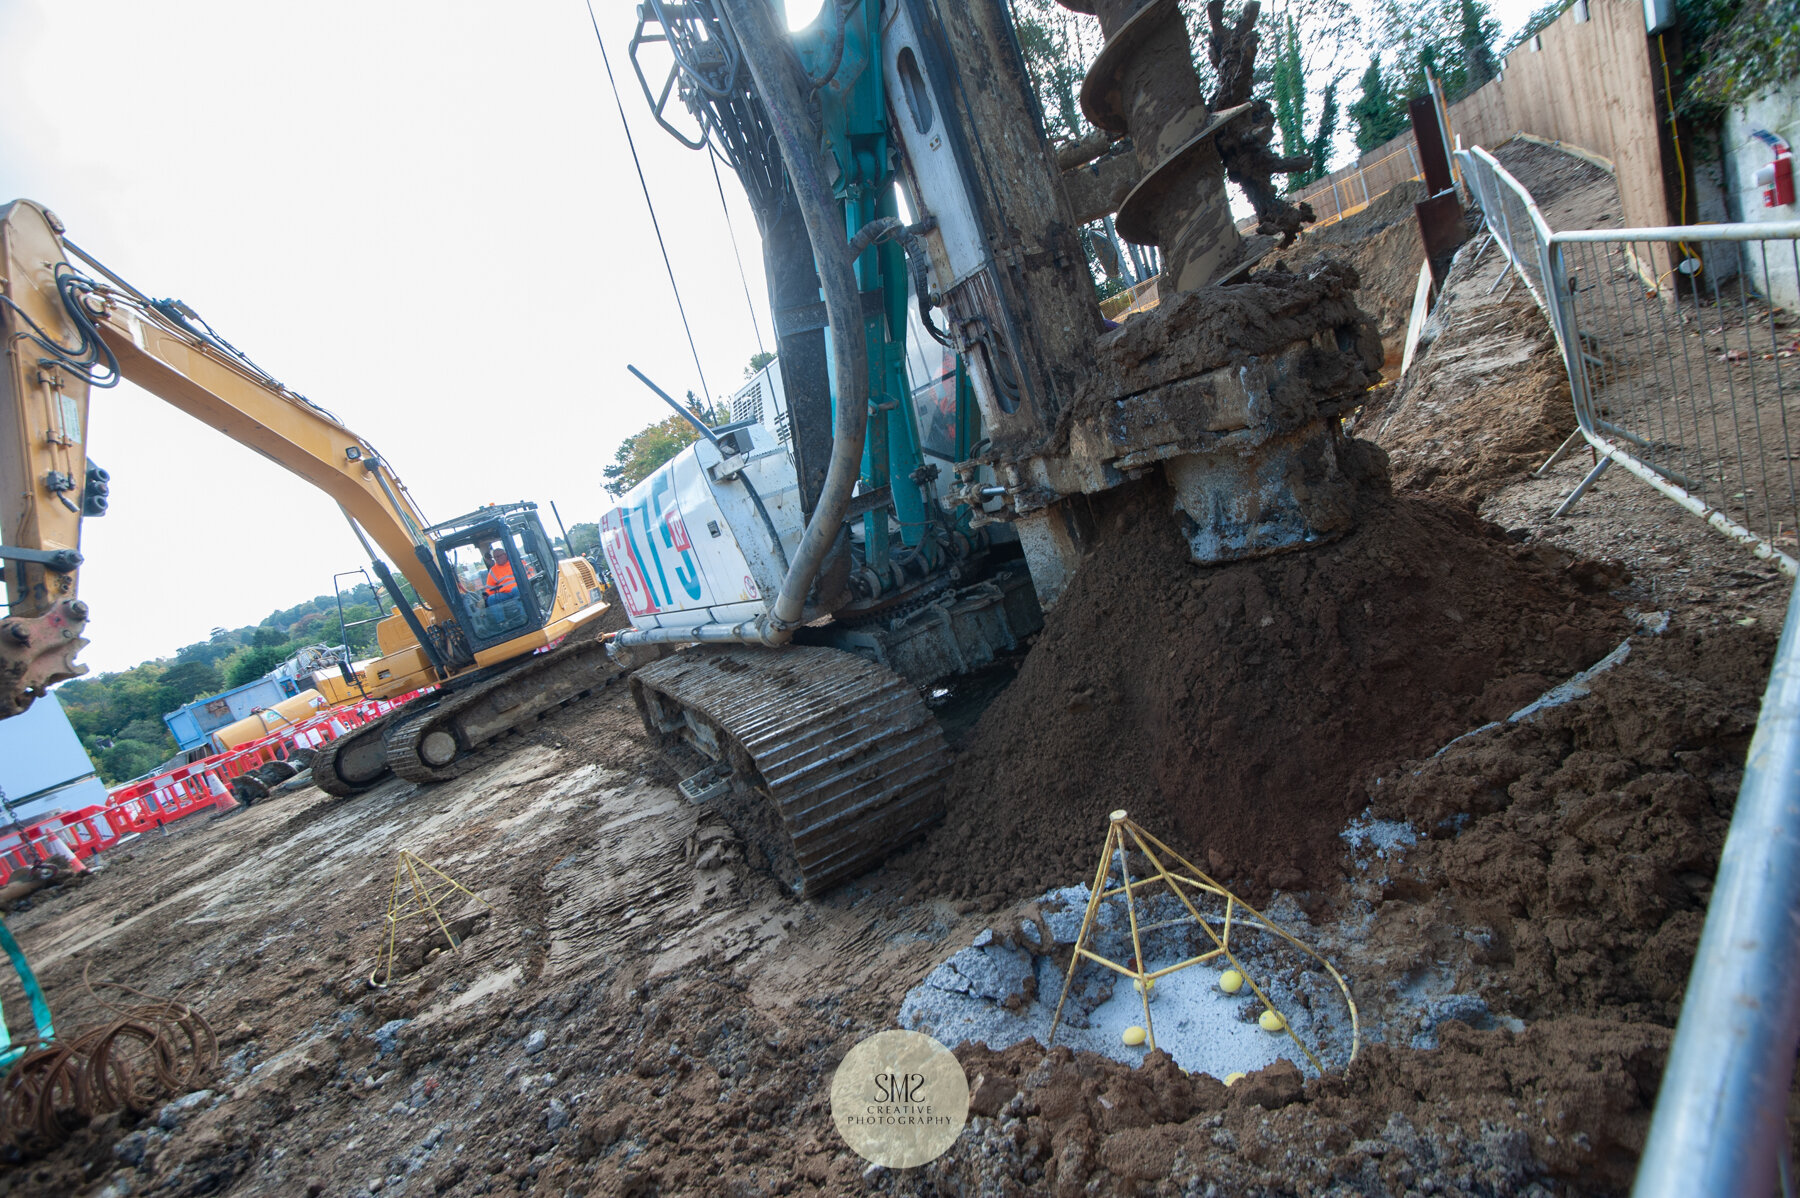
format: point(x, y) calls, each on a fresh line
point(1684, 377)
point(1720, 1125)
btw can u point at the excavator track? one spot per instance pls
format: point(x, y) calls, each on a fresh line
point(836, 761)
point(356, 760)
point(447, 741)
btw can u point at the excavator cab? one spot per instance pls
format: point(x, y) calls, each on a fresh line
point(499, 570)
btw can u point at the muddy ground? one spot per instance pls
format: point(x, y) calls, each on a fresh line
point(640, 1012)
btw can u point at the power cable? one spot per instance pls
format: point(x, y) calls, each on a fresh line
point(649, 203)
point(736, 253)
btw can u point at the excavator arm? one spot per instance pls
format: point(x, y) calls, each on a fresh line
point(65, 333)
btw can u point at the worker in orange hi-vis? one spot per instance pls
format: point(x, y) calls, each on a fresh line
point(501, 585)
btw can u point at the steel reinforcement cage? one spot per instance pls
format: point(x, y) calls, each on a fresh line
point(1681, 369)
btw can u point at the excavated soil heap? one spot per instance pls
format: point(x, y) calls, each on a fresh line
point(1563, 882)
point(1382, 242)
point(1240, 708)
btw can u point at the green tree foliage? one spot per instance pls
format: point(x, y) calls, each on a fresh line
point(252, 663)
point(359, 634)
point(756, 363)
point(583, 538)
point(1475, 35)
point(127, 759)
point(1745, 48)
point(1378, 116)
point(642, 452)
point(1288, 86)
point(118, 716)
point(1451, 39)
point(1057, 56)
point(186, 681)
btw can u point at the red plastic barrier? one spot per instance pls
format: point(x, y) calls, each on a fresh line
point(150, 803)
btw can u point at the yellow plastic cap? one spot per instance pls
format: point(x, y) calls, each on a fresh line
point(1271, 1021)
point(1133, 1036)
point(1231, 981)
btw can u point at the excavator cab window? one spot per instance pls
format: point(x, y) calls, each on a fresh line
point(500, 572)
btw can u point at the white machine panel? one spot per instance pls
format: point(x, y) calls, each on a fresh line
point(919, 116)
point(689, 546)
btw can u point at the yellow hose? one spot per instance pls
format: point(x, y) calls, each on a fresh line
point(1680, 166)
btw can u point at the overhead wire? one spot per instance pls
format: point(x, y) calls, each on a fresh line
point(649, 203)
point(736, 253)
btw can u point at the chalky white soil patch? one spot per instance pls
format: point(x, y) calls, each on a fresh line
point(1003, 990)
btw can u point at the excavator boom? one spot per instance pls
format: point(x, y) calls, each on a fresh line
point(66, 333)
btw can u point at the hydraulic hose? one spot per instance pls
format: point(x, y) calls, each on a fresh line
point(767, 54)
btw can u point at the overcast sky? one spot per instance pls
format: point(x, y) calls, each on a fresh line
point(421, 215)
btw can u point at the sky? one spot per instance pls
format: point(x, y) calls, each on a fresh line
point(423, 216)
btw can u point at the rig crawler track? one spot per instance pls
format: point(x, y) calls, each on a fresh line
point(836, 761)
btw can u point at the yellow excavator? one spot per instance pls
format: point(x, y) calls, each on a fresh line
point(503, 630)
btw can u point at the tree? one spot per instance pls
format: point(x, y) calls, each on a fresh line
point(1057, 57)
point(249, 664)
point(757, 362)
point(185, 681)
point(1475, 38)
point(1451, 39)
point(127, 759)
point(642, 452)
point(358, 635)
point(583, 537)
point(1379, 118)
point(1288, 88)
point(150, 732)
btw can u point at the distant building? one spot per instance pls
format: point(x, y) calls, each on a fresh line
point(43, 767)
point(192, 725)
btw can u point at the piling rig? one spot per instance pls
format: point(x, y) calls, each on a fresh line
point(1232, 386)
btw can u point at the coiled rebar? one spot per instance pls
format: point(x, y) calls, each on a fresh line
point(148, 1053)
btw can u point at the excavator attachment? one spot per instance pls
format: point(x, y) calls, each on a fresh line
point(834, 761)
point(36, 651)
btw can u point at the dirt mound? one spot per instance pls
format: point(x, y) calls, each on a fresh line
point(1240, 708)
point(1584, 841)
point(1487, 398)
point(1382, 243)
point(1488, 1112)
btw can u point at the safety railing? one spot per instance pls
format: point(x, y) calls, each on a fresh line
point(1681, 369)
point(163, 798)
point(1720, 1125)
point(1511, 216)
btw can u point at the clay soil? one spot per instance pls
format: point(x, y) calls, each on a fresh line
point(1382, 243)
point(1242, 706)
point(638, 1011)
